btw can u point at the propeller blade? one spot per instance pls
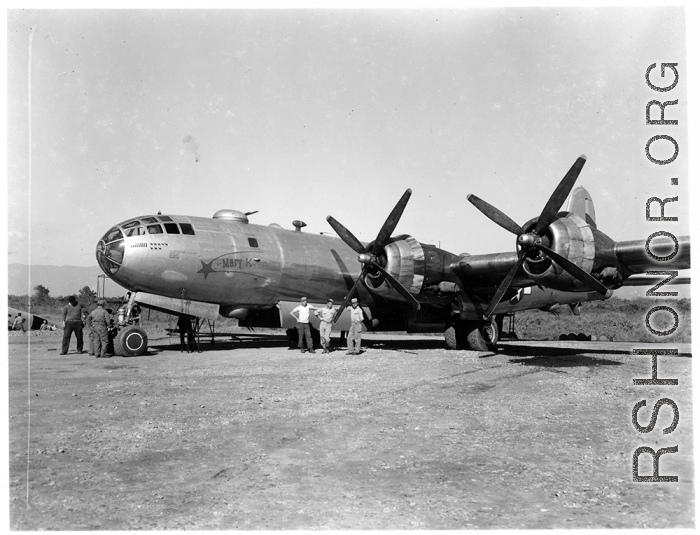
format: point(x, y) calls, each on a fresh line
point(576, 271)
point(397, 286)
point(347, 236)
point(348, 297)
point(559, 196)
point(505, 284)
point(391, 222)
point(495, 215)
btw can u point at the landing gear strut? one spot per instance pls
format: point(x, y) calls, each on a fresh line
point(131, 340)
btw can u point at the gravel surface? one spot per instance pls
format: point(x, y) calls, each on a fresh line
point(407, 435)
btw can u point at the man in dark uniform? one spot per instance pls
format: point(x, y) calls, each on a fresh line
point(100, 321)
point(112, 332)
point(184, 325)
point(72, 323)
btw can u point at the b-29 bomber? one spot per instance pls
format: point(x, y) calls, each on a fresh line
point(226, 266)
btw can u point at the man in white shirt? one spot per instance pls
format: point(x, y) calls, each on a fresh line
point(302, 317)
point(355, 332)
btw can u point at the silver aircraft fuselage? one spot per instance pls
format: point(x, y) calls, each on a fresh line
point(227, 262)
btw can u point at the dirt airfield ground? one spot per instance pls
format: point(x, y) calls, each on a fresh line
point(407, 435)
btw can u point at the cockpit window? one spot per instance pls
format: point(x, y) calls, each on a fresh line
point(155, 229)
point(150, 220)
point(131, 224)
point(110, 251)
point(113, 234)
point(165, 218)
point(138, 231)
point(171, 228)
point(187, 229)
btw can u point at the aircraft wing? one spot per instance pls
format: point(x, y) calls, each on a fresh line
point(669, 254)
point(614, 264)
point(647, 280)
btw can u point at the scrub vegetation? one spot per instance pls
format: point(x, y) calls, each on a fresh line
point(620, 320)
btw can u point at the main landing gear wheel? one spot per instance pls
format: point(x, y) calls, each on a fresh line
point(482, 335)
point(131, 342)
point(451, 338)
point(455, 335)
point(474, 335)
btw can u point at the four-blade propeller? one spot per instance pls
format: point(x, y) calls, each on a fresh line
point(532, 240)
point(368, 255)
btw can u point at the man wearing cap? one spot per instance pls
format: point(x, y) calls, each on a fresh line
point(326, 316)
point(18, 325)
point(72, 323)
point(100, 321)
point(302, 317)
point(355, 332)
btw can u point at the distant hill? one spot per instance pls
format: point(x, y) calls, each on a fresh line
point(60, 280)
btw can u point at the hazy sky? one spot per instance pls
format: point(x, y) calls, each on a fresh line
point(304, 113)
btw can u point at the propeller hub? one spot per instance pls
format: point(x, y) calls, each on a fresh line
point(528, 240)
point(364, 258)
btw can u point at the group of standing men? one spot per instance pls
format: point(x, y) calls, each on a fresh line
point(97, 325)
point(327, 315)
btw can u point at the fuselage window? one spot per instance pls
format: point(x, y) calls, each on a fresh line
point(171, 228)
point(155, 229)
point(252, 242)
point(150, 220)
point(165, 218)
point(187, 229)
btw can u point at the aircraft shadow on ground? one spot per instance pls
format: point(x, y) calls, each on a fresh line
point(258, 341)
point(513, 349)
point(540, 355)
point(569, 360)
point(559, 357)
point(237, 342)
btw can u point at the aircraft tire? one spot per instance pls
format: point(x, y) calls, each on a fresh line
point(130, 342)
point(456, 334)
point(482, 335)
point(451, 338)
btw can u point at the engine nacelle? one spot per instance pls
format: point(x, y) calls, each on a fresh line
point(415, 265)
point(403, 257)
point(573, 239)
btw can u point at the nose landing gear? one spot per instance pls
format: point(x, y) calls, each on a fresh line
point(131, 341)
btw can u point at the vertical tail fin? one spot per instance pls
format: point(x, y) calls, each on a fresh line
point(581, 204)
